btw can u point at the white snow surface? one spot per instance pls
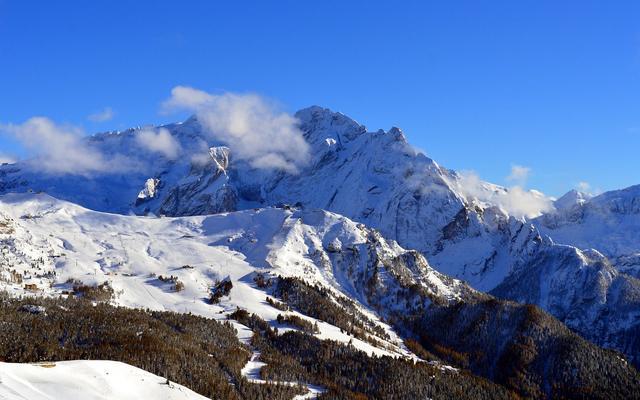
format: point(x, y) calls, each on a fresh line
point(86, 380)
point(609, 222)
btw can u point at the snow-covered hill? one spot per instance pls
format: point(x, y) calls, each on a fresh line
point(48, 246)
point(86, 380)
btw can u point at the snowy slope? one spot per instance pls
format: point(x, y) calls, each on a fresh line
point(609, 223)
point(86, 380)
point(571, 199)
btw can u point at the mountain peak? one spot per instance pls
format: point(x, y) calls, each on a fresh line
point(324, 123)
point(397, 134)
point(571, 199)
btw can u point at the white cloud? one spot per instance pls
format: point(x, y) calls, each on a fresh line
point(60, 149)
point(515, 200)
point(583, 187)
point(250, 125)
point(525, 203)
point(519, 175)
point(102, 116)
point(160, 141)
point(187, 98)
point(200, 159)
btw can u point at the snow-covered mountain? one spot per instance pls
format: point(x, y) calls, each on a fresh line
point(609, 222)
point(467, 229)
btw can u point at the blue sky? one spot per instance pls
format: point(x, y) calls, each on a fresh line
point(478, 85)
